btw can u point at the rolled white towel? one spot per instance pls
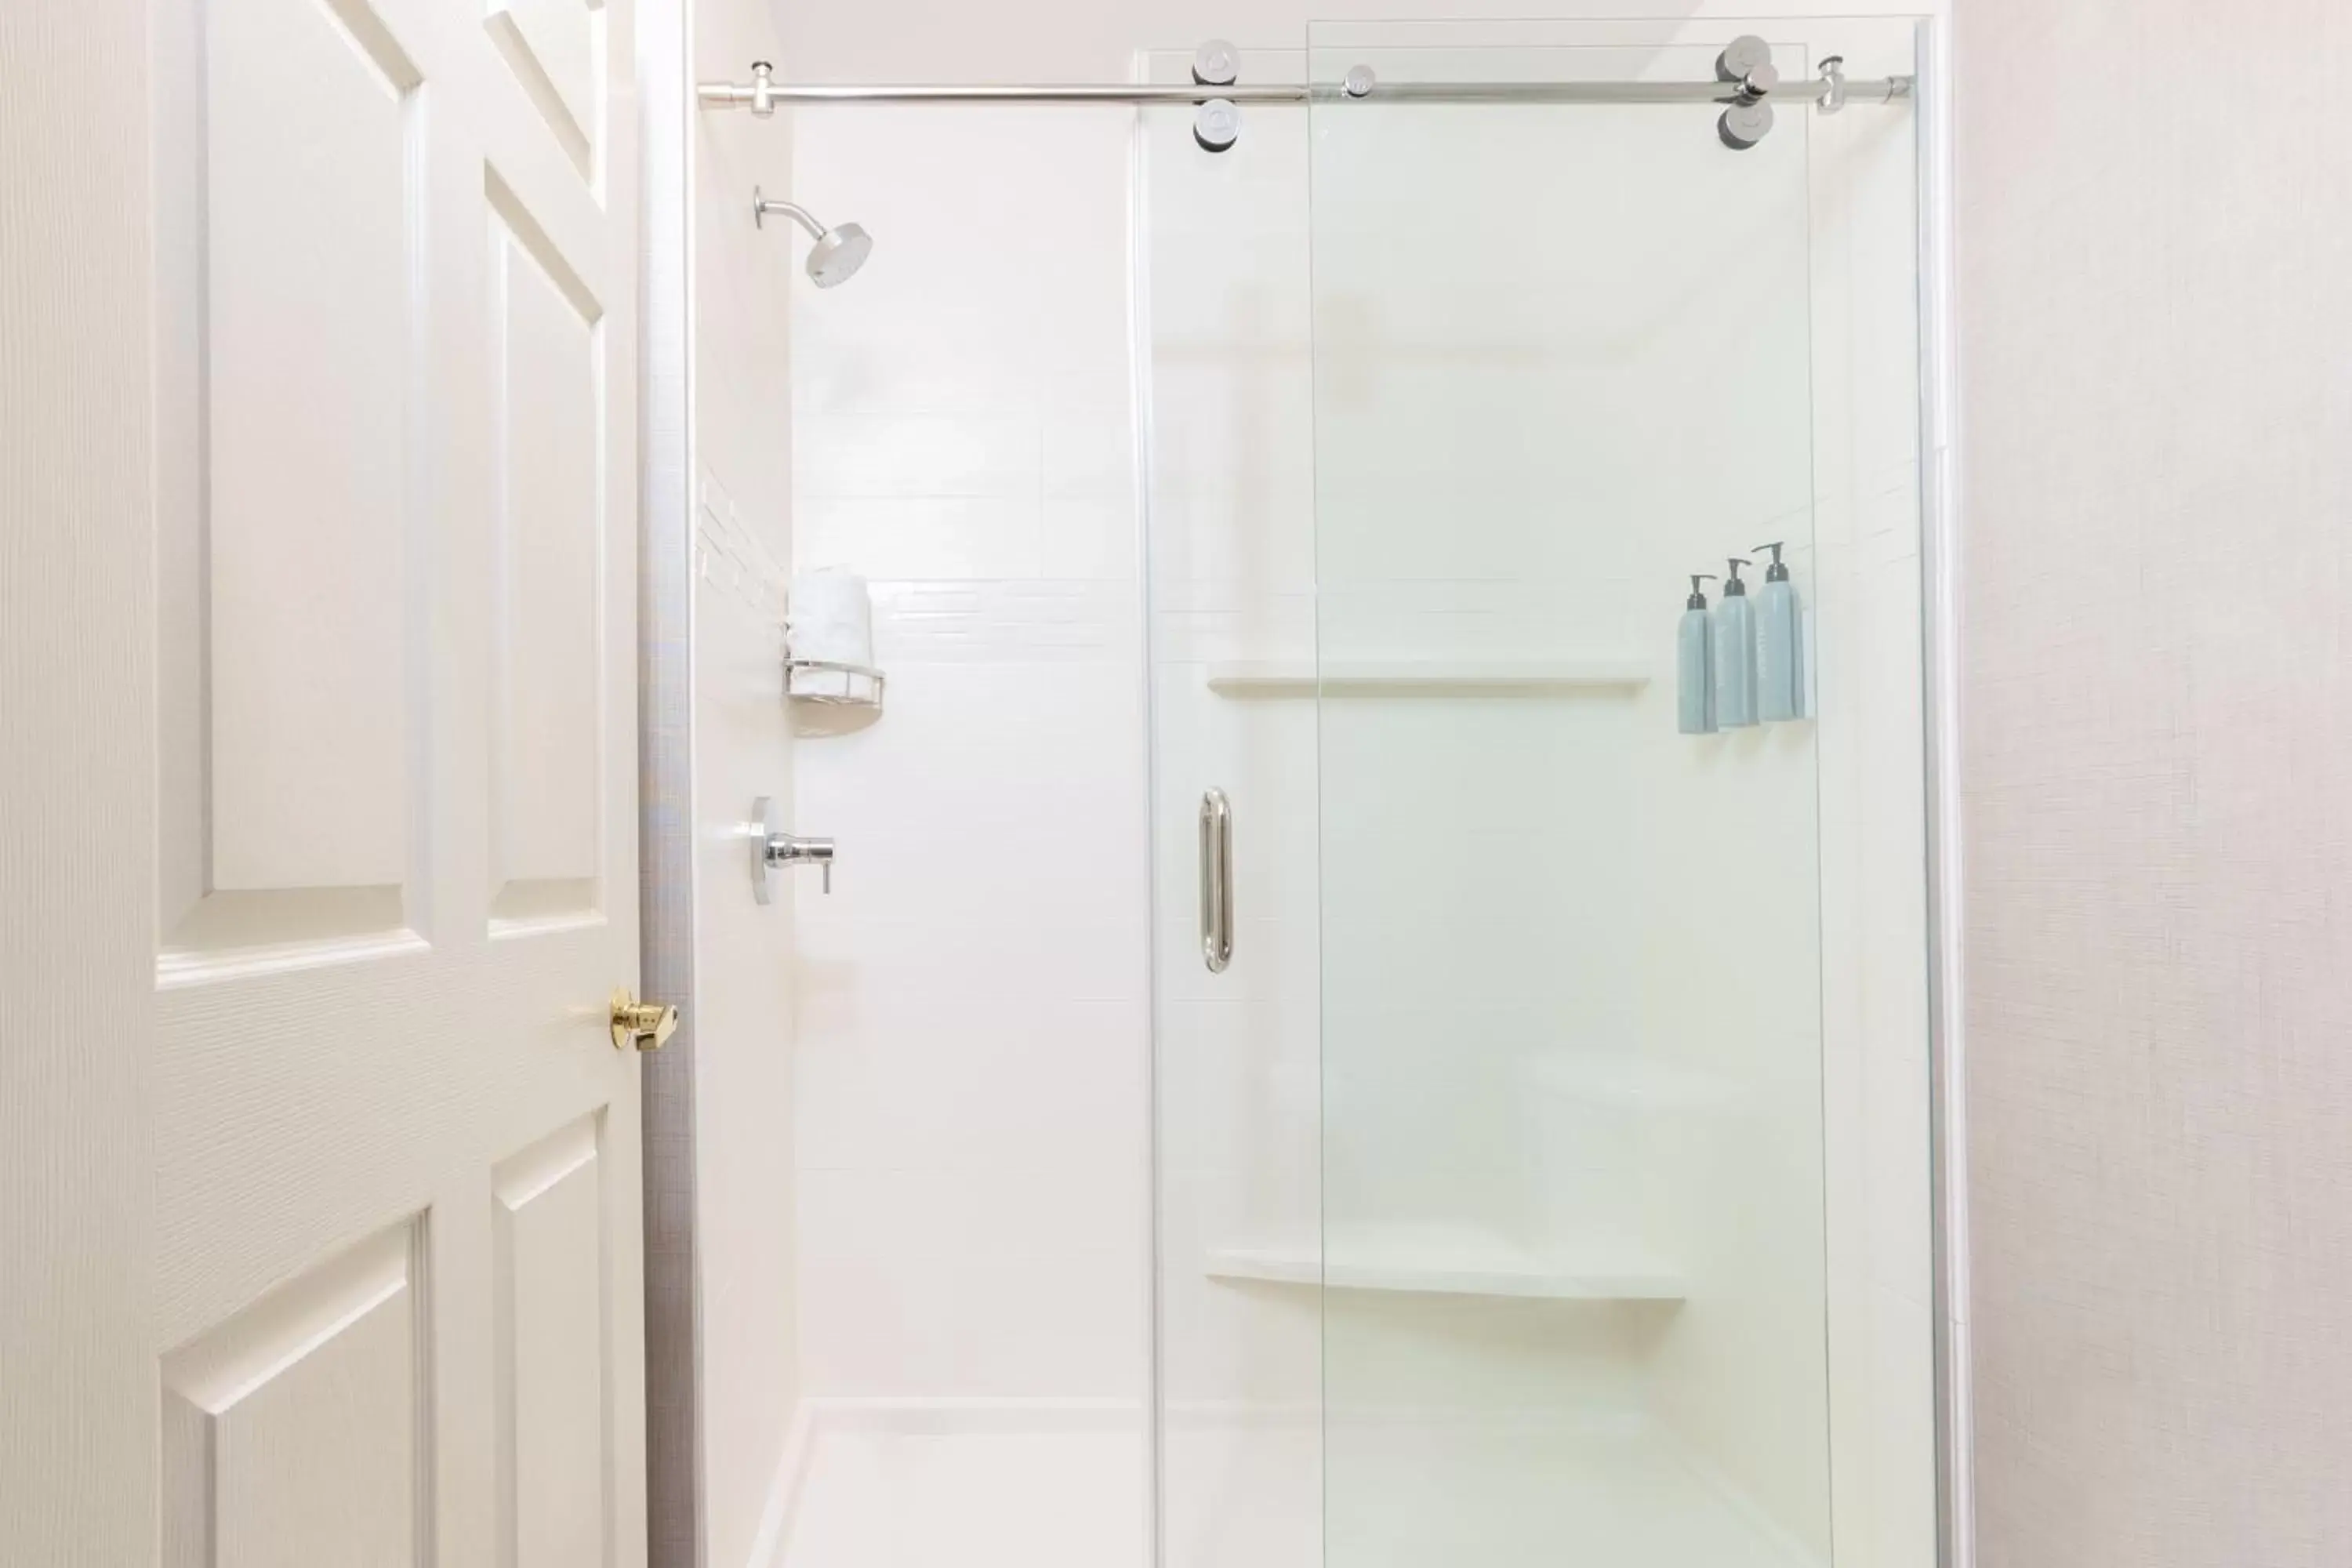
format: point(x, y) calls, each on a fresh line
point(831, 617)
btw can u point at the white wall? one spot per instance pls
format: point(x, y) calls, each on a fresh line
point(2158, 478)
point(973, 1161)
point(744, 1043)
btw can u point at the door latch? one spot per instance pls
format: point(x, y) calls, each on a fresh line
point(641, 1026)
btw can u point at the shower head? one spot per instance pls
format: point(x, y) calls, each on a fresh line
point(837, 254)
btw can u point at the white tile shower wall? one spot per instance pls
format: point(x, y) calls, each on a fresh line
point(743, 1009)
point(743, 1037)
point(972, 1092)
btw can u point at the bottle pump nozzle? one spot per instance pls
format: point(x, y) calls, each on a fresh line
point(1697, 600)
point(1775, 572)
point(1733, 588)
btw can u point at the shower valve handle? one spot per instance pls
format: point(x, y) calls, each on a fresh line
point(792, 849)
point(774, 850)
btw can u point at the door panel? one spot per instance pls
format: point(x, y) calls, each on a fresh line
point(552, 1375)
point(289, 1432)
point(548, 682)
point(397, 1153)
point(312, 206)
point(554, 48)
point(288, 301)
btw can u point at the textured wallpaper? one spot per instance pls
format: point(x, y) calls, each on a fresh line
point(2156, 293)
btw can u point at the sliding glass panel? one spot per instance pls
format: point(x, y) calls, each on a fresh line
point(1575, 1307)
point(1542, 1124)
point(1225, 326)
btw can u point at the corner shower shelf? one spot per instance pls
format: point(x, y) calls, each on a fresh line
point(1444, 1261)
point(1424, 677)
point(843, 699)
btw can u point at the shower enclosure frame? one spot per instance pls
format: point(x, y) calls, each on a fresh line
point(668, 101)
point(1940, 523)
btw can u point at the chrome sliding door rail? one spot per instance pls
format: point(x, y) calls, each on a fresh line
point(763, 95)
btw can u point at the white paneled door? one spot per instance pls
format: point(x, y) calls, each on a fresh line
point(395, 1150)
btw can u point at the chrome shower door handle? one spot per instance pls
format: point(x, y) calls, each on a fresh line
point(1216, 880)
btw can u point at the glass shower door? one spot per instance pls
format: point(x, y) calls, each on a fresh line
point(1227, 323)
point(1571, 1194)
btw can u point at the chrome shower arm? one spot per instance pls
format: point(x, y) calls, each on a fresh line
point(762, 205)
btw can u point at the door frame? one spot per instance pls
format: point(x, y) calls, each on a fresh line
point(673, 1502)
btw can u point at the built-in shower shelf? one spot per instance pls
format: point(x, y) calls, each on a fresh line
point(1619, 1081)
point(1444, 1261)
point(1425, 678)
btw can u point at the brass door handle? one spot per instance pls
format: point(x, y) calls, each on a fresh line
point(641, 1026)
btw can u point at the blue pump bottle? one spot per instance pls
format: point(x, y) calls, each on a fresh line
point(1695, 663)
point(1780, 646)
point(1735, 654)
